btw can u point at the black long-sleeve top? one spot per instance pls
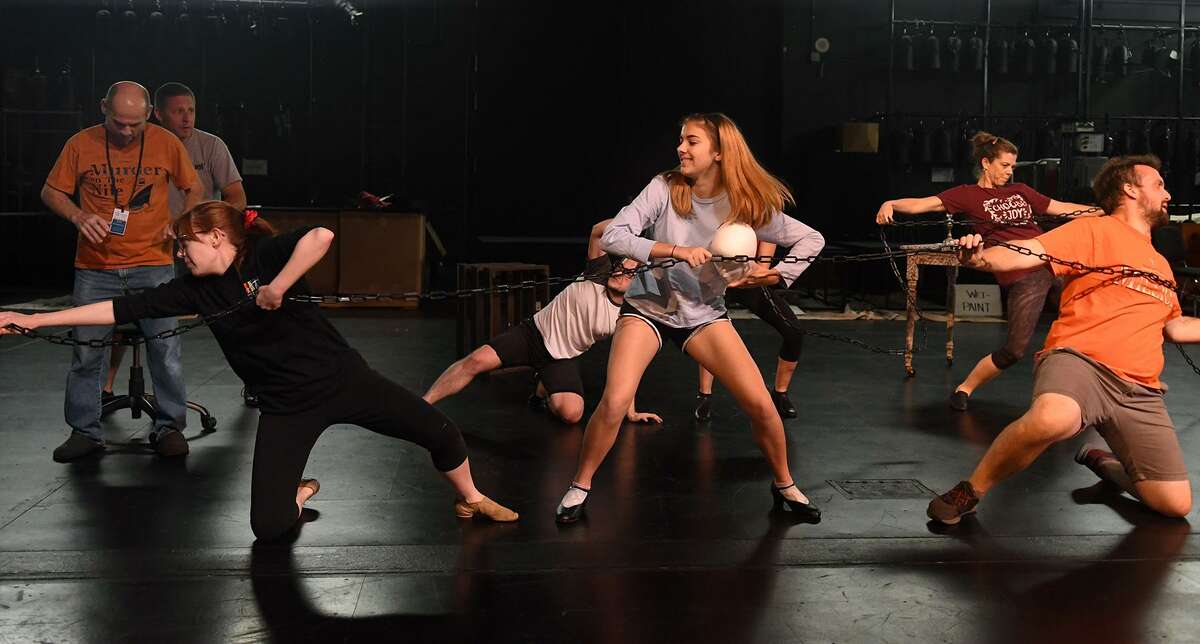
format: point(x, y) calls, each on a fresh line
point(291, 358)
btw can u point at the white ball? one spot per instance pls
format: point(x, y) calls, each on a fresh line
point(730, 240)
point(734, 239)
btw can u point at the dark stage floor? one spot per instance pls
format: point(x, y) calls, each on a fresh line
point(680, 545)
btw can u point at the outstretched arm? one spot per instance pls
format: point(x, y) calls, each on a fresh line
point(98, 314)
point(907, 206)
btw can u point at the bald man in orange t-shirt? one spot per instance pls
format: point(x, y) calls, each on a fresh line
point(122, 171)
point(1102, 359)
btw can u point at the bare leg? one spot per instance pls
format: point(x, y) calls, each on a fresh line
point(1170, 498)
point(464, 485)
point(706, 381)
point(633, 347)
point(719, 349)
point(461, 373)
point(566, 406)
point(985, 370)
point(303, 494)
point(1052, 418)
point(783, 374)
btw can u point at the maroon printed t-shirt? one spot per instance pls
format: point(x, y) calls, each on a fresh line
point(1000, 214)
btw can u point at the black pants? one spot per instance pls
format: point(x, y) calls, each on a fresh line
point(364, 398)
point(1026, 300)
point(770, 307)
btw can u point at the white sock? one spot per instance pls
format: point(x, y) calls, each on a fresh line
point(573, 497)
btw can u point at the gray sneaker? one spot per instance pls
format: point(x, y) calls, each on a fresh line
point(169, 441)
point(76, 447)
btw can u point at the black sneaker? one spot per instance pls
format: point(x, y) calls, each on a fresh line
point(703, 407)
point(76, 447)
point(249, 398)
point(783, 405)
point(958, 400)
point(169, 442)
point(952, 506)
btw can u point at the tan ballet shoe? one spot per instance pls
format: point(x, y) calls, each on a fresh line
point(486, 508)
point(312, 484)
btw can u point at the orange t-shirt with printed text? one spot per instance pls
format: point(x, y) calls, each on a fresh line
point(82, 165)
point(1119, 323)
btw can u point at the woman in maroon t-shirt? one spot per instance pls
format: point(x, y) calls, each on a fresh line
point(1001, 211)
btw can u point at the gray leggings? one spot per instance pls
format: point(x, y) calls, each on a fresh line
point(1026, 299)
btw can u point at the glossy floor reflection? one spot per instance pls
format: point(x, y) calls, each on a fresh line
point(680, 544)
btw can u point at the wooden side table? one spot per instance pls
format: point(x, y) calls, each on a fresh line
point(928, 255)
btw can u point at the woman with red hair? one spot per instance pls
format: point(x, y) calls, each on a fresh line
point(305, 374)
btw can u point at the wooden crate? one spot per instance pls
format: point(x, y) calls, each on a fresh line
point(482, 317)
point(372, 252)
point(381, 252)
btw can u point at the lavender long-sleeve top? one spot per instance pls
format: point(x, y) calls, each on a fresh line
point(681, 296)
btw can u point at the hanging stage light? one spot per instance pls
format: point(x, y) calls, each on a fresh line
point(353, 12)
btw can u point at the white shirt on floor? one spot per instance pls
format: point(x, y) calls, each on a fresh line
point(578, 317)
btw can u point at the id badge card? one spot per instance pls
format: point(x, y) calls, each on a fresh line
point(120, 220)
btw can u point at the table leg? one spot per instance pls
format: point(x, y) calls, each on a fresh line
point(951, 281)
point(912, 269)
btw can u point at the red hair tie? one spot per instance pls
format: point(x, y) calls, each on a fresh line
point(250, 216)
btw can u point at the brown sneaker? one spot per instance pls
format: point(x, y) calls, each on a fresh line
point(75, 447)
point(169, 442)
point(952, 506)
point(485, 508)
point(1093, 459)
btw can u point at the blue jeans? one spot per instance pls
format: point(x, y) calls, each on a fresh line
point(89, 366)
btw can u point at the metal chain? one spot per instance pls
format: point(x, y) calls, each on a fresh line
point(65, 340)
point(501, 289)
point(1118, 272)
point(959, 220)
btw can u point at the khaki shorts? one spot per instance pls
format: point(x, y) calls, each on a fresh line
point(1132, 418)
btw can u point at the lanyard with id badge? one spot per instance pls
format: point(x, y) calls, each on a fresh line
point(120, 216)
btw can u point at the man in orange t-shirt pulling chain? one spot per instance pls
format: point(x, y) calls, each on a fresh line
point(122, 170)
point(1101, 363)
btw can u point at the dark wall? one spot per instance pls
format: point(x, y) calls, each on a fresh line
point(506, 118)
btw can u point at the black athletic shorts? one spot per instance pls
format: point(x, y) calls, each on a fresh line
point(523, 346)
point(679, 336)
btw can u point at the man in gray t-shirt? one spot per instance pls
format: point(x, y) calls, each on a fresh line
point(175, 108)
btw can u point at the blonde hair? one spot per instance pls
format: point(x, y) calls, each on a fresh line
point(754, 194)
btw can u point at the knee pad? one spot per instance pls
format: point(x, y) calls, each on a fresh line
point(793, 344)
point(1004, 358)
